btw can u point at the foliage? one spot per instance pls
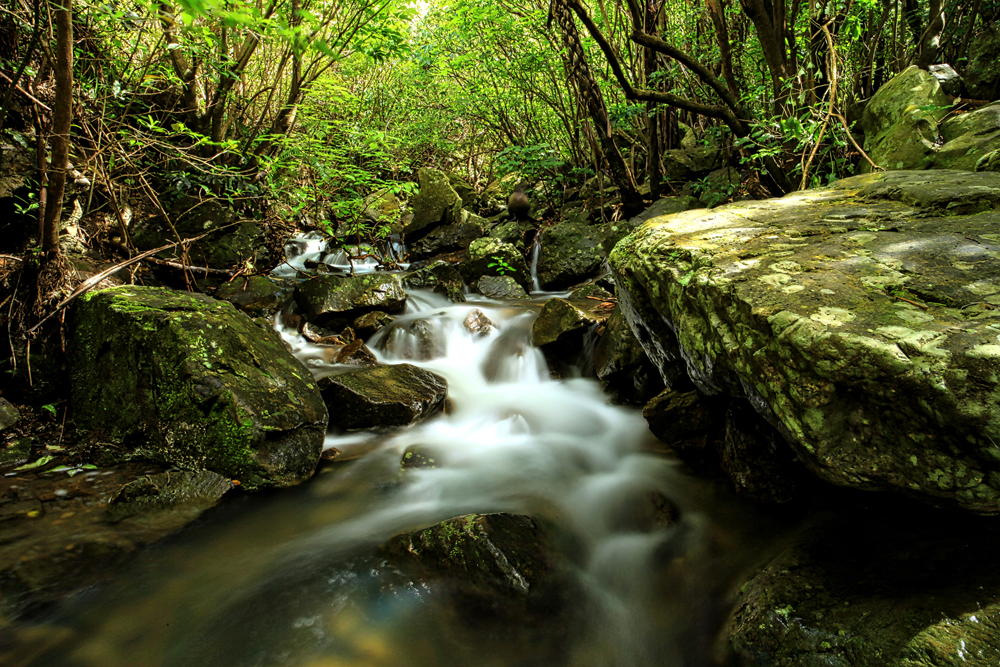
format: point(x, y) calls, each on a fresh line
point(500, 265)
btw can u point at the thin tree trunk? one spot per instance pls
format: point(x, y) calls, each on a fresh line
point(62, 119)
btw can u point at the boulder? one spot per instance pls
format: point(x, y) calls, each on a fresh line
point(560, 321)
point(968, 138)
point(383, 396)
point(257, 296)
point(448, 238)
point(515, 232)
point(688, 164)
point(570, 253)
point(491, 257)
point(622, 365)
point(439, 277)
point(901, 121)
point(436, 204)
point(384, 208)
point(184, 493)
point(951, 82)
point(875, 586)
point(365, 326)
point(982, 79)
point(858, 320)
point(231, 242)
point(335, 301)
point(8, 414)
point(187, 380)
point(500, 287)
point(492, 558)
point(465, 191)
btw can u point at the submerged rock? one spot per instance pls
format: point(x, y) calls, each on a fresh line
point(184, 379)
point(183, 493)
point(493, 559)
point(383, 396)
point(335, 301)
point(858, 320)
point(478, 324)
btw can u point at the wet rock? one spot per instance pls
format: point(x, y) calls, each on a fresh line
point(181, 492)
point(518, 233)
point(491, 257)
point(184, 379)
point(383, 396)
point(558, 321)
point(848, 317)
point(621, 363)
point(435, 205)
point(982, 79)
point(335, 302)
point(449, 238)
point(491, 559)
point(366, 325)
point(418, 457)
point(355, 353)
point(570, 253)
point(758, 461)
point(8, 414)
point(257, 296)
point(875, 586)
point(689, 423)
point(592, 291)
point(500, 287)
point(439, 277)
point(420, 340)
point(478, 324)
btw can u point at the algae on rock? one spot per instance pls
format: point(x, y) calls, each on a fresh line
point(188, 380)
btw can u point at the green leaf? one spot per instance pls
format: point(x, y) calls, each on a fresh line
point(35, 464)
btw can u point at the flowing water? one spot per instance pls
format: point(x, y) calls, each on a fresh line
point(296, 578)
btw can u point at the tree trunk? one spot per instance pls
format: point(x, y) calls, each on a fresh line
point(594, 101)
point(62, 118)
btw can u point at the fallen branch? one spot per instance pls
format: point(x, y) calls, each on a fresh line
point(193, 269)
point(26, 93)
point(91, 282)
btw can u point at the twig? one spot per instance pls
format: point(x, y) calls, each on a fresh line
point(26, 93)
point(187, 267)
point(914, 303)
point(13, 257)
point(89, 283)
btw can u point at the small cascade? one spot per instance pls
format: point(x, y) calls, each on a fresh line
point(356, 259)
point(536, 250)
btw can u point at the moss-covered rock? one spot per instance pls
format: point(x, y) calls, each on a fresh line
point(187, 380)
point(859, 320)
point(336, 301)
point(436, 204)
point(500, 287)
point(875, 586)
point(558, 321)
point(448, 238)
point(383, 396)
point(613, 232)
point(491, 257)
point(570, 253)
point(440, 277)
point(686, 164)
point(184, 493)
point(495, 557)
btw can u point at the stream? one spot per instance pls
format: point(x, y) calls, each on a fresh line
point(296, 577)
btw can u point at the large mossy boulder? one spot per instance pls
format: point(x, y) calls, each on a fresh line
point(860, 320)
point(436, 204)
point(190, 381)
point(334, 301)
point(901, 121)
point(395, 395)
point(570, 253)
point(492, 257)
